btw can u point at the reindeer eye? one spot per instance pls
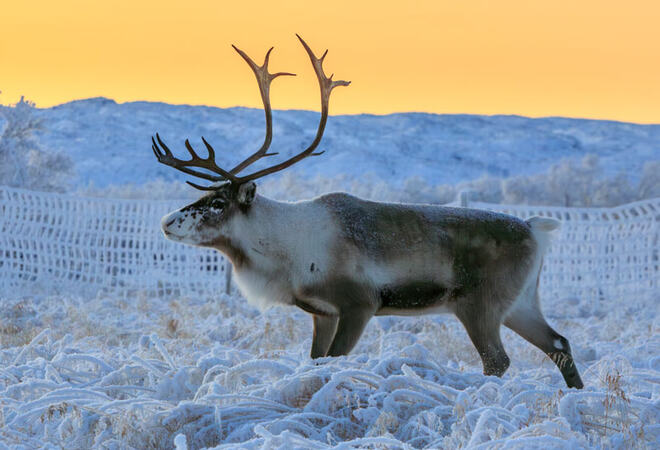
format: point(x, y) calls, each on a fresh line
point(217, 204)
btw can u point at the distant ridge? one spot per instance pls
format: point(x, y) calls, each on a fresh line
point(110, 142)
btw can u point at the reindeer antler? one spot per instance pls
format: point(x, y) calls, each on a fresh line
point(264, 78)
point(166, 157)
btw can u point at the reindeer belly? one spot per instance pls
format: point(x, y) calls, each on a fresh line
point(413, 298)
point(419, 281)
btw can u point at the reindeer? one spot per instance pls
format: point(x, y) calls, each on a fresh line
point(344, 259)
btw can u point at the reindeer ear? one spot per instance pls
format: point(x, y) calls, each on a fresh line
point(246, 193)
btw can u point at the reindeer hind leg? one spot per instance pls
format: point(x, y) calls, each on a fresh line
point(484, 332)
point(527, 320)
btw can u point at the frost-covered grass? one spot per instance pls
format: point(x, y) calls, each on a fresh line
point(141, 372)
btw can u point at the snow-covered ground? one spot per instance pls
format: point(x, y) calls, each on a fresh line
point(147, 372)
point(111, 144)
point(137, 372)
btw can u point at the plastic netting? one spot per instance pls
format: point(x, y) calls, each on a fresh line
point(56, 243)
point(598, 252)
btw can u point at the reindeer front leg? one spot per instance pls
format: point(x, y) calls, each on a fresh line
point(324, 333)
point(341, 310)
point(349, 329)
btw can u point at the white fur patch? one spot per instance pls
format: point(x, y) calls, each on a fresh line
point(542, 228)
point(283, 241)
point(262, 291)
point(558, 345)
point(179, 226)
point(323, 306)
point(543, 223)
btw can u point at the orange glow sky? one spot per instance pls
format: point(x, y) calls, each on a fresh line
point(585, 58)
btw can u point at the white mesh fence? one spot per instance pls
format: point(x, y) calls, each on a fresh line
point(55, 243)
point(598, 252)
point(60, 243)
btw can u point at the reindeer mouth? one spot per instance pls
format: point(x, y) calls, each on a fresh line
point(172, 236)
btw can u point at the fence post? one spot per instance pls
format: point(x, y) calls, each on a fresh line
point(463, 198)
point(228, 270)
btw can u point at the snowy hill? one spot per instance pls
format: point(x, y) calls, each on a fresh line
point(110, 142)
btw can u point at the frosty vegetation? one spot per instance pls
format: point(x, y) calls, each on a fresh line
point(567, 183)
point(140, 372)
point(22, 162)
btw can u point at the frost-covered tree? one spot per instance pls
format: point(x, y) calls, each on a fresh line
point(571, 183)
point(613, 191)
point(22, 162)
point(485, 189)
point(649, 186)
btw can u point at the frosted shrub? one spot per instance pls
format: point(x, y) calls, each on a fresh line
point(573, 183)
point(153, 190)
point(484, 189)
point(22, 162)
point(614, 191)
point(567, 183)
point(649, 186)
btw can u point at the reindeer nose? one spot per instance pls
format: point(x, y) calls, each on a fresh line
point(167, 220)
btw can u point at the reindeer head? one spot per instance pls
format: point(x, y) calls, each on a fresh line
point(207, 221)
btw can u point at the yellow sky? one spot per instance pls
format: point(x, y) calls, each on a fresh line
point(578, 58)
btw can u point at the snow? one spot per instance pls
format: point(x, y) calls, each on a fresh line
point(180, 442)
point(204, 372)
point(110, 142)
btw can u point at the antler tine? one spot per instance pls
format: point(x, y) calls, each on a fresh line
point(326, 85)
point(166, 157)
point(202, 188)
point(263, 79)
